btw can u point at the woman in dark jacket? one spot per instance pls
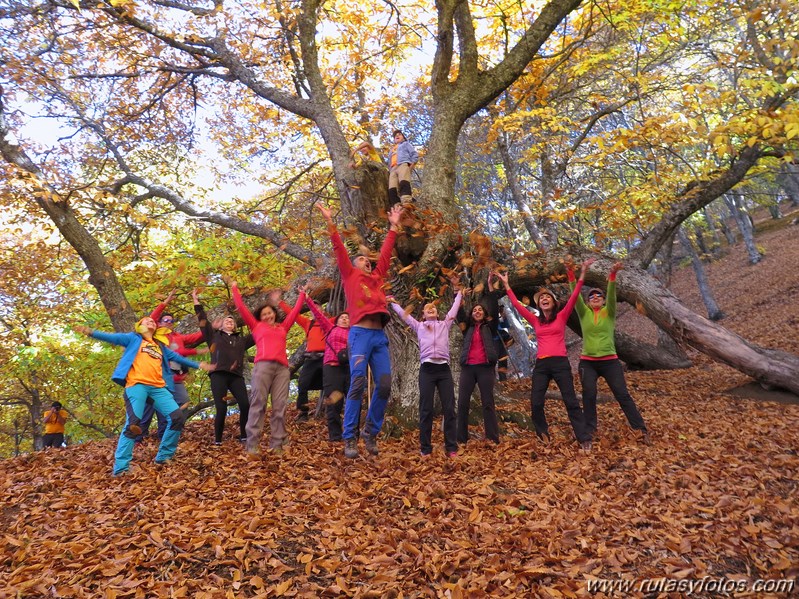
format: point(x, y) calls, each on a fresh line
point(478, 359)
point(228, 351)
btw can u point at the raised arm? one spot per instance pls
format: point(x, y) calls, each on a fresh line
point(610, 301)
point(406, 318)
point(292, 316)
point(206, 327)
point(342, 256)
point(567, 309)
point(159, 309)
point(580, 306)
point(321, 317)
point(453, 311)
point(523, 312)
point(394, 217)
point(245, 313)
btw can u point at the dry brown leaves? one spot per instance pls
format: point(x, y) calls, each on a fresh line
point(714, 496)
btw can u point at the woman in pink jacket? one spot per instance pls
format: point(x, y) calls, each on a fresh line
point(270, 374)
point(552, 361)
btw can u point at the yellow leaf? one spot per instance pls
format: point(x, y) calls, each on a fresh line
point(75, 3)
point(283, 586)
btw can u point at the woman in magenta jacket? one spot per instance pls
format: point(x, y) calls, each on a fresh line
point(552, 361)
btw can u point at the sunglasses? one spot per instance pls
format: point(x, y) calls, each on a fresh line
point(593, 295)
point(167, 320)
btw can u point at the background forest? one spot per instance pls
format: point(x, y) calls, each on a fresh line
point(159, 145)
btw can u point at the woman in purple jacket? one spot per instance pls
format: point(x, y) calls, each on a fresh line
point(434, 373)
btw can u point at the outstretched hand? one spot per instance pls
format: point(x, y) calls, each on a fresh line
point(274, 297)
point(207, 366)
point(229, 281)
point(171, 296)
point(326, 212)
point(195, 295)
point(617, 267)
point(395, 215)
point(82, 329)
point(502, 276)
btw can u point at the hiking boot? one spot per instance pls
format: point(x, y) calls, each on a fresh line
point(586, 446)
point(301, 417)
point(370, 442)
point(350, 448)
point(645, 438)
point(544, 438)
point(452, 454)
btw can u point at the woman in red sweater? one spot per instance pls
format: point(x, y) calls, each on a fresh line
point(552, 361)
point(270, 374)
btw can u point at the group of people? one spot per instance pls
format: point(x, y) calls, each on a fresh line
point(344, 349)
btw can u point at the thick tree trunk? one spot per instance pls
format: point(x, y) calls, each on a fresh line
point(101, 275)
point(771, 367)
point(713, 311)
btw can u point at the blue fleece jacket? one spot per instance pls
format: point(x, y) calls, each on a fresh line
point(132, 342)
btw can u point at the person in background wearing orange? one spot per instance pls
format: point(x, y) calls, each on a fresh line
point(54, 420)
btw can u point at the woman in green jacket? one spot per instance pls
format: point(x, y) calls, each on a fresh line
point(599, 359)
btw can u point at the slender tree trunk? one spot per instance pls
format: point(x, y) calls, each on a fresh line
point(733, 201)
point(714, 313)
point(788, 178)
point(522, 347)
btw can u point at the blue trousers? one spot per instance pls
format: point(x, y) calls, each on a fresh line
point(135, 399)
point(367, 347)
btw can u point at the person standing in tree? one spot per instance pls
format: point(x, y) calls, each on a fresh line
point(54, 420)
point(270, 374)
point(336, 373)
point(434, 373)
point(368, 343)
point(184, 345)
point(599, 359)
point(552, 361)
point(145, 373)
point(228, 351)
point(401, 160)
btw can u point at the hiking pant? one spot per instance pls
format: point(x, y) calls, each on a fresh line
point(434, 376)
point(221, 383)
point(557, 368)
point(368, 347)
point(399, 180)
point(613, 373)
point(181, 396)
point(136, 397)
point(336, 378)
point(269, 379)
point(482, 376)
point(310, 378)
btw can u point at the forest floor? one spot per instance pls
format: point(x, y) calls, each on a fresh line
point(711, 502)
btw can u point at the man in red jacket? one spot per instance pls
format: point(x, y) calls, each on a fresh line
point(368, 343)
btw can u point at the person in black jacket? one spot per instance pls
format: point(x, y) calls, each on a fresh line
point(228, 350)
point(478, 359)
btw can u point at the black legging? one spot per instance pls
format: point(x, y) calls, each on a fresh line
point(221, 383)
